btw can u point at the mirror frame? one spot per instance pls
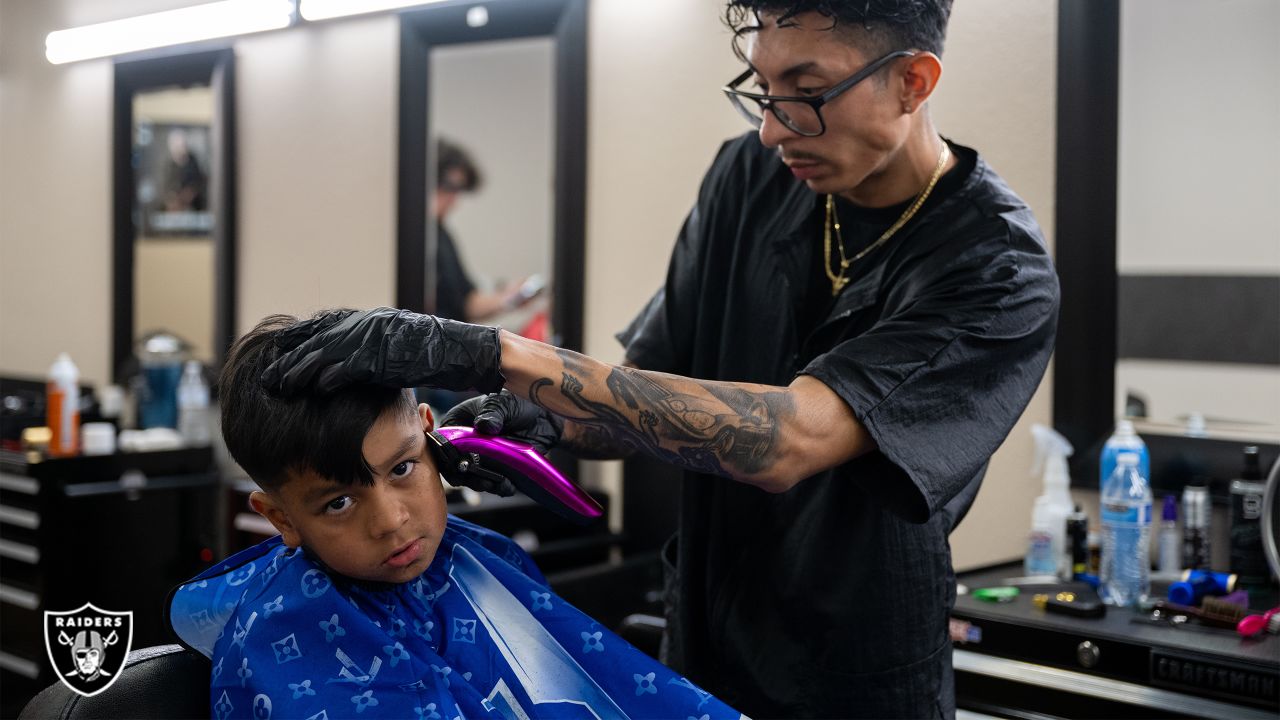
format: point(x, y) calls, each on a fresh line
point(445, 24)
point(1085, 239)
point(214, 67)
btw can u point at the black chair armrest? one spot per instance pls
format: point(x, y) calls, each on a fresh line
point(163, 681)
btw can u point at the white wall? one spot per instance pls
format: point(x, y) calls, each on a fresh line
point(317, 121)
point(55, 218)
point(316, 127)
point(317, 114)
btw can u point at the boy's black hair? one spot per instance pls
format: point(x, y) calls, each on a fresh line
point(273, 437)
point(887, 25)
point(450, 157)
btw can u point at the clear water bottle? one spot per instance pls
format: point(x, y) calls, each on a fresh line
point(1124, 439)
point(1126, 527)
point(193, 405)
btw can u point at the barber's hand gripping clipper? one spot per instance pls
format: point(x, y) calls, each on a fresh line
point(462, 450)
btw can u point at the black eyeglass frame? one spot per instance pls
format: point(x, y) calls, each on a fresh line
point(767, 102)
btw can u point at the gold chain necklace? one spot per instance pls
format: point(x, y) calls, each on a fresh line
point(838, 282)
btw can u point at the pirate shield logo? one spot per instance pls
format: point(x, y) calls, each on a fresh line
point(87, 646)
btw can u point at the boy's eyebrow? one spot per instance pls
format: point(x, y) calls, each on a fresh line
point(409, 442)
point(317, 492)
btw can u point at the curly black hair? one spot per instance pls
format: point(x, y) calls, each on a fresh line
point(450, 157)
point(887, 25)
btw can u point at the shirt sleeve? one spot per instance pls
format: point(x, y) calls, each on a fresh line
point(940, 380)
point(453, 284)
point(660, 338)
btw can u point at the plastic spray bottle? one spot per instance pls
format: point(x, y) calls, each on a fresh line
point(1046, 547)
point(62, 405)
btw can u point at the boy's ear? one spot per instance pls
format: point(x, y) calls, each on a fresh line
point(428, 420)
point(269, 508)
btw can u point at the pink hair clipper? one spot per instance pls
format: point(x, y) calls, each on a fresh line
point(463, 450)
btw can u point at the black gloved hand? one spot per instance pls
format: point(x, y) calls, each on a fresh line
point(510, 416)
point(385, 346)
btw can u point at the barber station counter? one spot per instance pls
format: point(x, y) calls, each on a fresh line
point(118, 531)
point(1022, 661)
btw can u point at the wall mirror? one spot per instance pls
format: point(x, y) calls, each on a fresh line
point(1168, 257)
point(504, 82)
point(173, 203)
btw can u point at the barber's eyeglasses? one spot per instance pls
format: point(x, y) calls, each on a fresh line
point(799, 114)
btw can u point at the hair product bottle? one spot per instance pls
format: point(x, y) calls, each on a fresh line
point(62, 407)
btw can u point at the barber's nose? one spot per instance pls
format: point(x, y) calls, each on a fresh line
point(772, 131)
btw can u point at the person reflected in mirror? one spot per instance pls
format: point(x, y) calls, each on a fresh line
point(186, 183)
point(457, 296)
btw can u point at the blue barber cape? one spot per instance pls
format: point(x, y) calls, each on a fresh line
point(477, 635)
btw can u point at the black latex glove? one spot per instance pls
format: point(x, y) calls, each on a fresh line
point(385, 346)
point(505, 414)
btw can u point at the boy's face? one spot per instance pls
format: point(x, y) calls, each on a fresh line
point(387, 532)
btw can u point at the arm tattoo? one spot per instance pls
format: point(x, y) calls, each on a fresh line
point(711, 427)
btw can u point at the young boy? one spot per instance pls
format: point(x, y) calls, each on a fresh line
point(372, 602)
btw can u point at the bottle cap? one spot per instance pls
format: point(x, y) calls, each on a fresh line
point(110, 400)
point(1170, 511)
point(1181, 593)
point(1125, 428)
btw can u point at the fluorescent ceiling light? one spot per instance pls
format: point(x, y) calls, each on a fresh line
point(325, 9)
point(172, 27)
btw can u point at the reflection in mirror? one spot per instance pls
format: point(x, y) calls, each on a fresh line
point(173, 205)
point(512, 93)
point(492, 180)
point(1165, 243)
point(1197, 257)
point(174, 263)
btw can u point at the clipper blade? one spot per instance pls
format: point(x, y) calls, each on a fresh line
point(528, 470)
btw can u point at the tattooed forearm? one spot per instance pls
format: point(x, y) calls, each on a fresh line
point(591, 443)
point(711, 427)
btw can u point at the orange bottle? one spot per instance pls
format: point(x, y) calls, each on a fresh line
point(62, 404)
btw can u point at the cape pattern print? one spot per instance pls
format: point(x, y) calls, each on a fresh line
point(477, 635)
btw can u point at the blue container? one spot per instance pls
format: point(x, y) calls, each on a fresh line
point(158, 399)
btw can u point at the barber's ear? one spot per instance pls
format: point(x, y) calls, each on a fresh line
point(428, 420)
point(920, 79)
point(269, 508)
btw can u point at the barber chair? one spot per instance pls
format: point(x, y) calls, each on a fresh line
point(644, 632)
point(163, 681)
point(169, 682)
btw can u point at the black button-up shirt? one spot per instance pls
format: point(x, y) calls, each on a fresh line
point(832, 599)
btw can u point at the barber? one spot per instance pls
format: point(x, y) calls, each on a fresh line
point(855, 314)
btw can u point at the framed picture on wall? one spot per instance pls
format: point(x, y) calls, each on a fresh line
point(171, 175)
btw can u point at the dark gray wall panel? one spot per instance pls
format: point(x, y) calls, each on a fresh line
point(1200, 318)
